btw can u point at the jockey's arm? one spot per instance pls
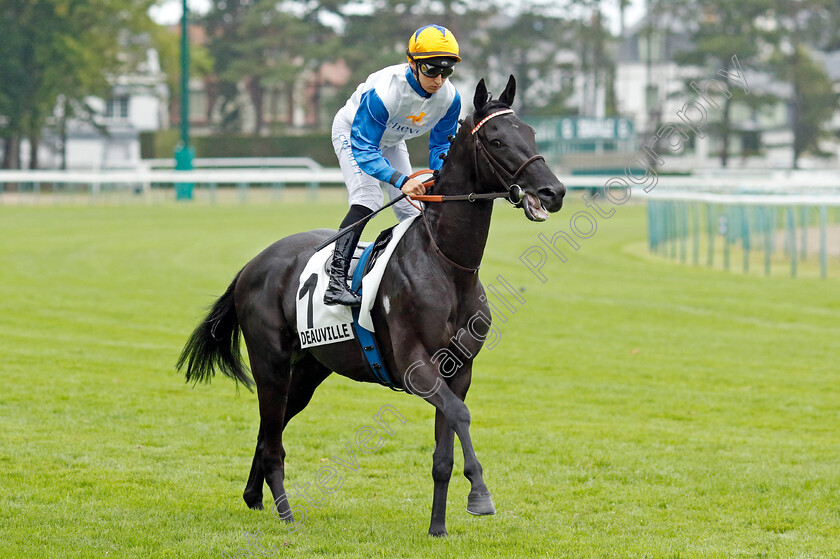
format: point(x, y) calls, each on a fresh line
point(365, 135)
point(439, 138)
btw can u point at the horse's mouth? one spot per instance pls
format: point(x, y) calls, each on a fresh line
point(533, 208)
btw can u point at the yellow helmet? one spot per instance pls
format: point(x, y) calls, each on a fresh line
point(432, 41)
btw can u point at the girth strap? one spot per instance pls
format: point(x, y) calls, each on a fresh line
point(366, 338)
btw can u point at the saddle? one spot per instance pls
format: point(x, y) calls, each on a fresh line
point(376, 249)
point(320, 324)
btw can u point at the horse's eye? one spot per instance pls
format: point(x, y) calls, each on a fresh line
point(496, 143)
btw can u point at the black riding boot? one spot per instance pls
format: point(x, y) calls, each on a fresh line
point(337, 291)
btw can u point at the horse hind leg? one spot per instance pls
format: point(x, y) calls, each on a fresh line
point(253, 493)
point(306, 375)
point(273, 376)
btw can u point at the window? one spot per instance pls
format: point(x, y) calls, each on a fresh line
point(750, 142)
point(117, 107)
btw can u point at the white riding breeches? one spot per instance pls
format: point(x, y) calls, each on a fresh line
point(363, 188)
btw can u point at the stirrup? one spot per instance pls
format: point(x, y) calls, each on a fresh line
point(334, 295)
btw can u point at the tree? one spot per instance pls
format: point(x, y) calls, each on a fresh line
point(769, 35)
point(596, 67)
point(372, 41)
point(529, 44)
point(54, 49)
point(796, 25)
point(222, 24)
point(724, 28)
point(167, 42)
point(813, 101)
point(265, 45)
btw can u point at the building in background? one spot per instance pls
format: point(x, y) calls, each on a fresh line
point(651, 89)
point(111, 138)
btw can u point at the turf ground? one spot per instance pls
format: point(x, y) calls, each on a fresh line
point(633, 407)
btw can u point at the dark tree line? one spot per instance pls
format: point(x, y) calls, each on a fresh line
point(57, 53)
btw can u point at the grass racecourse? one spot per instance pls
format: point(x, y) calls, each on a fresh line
point(633, 407)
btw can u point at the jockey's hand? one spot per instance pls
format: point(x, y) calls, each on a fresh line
point(413, 187)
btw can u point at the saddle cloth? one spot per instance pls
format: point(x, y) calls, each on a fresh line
point(320, 324)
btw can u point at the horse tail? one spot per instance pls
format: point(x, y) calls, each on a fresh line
point(215, 344)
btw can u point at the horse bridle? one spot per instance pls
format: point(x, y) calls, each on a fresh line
point(513, 192)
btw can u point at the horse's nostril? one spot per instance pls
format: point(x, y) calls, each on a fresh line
point(547, 193)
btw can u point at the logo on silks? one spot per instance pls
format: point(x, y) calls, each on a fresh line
point(326, 335)
point(417, 120)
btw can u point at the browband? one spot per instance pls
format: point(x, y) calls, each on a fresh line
point(488, 117)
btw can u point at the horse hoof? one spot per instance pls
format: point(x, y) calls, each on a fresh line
point(438, 532)
point(480, 505)
point(254, 503)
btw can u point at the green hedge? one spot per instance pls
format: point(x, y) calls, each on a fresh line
point(318, 146)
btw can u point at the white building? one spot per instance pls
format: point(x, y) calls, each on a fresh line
point(139, 103)
point(650, 89)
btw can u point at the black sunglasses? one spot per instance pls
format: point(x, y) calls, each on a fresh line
point(431, 71)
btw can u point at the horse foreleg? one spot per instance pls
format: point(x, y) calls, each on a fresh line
point(431, 388)
point(442, 462)
point(479, 501)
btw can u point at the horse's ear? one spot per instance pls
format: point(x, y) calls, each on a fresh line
point(481, 95)
point(509, 92)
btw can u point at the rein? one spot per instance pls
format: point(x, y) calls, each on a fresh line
point(440, 252)
point(513, 192)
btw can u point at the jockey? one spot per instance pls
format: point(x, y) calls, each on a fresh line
point(369, 133)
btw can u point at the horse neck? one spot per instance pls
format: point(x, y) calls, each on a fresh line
point(460, 228)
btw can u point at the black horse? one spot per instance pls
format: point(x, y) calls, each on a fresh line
point(433, 296)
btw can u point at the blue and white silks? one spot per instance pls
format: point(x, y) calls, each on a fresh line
point(390, 107)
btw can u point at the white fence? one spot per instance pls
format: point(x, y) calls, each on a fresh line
point(235, 162)
point(780, 182)
point(739, 210)
point(23, 186)
point(35, 186)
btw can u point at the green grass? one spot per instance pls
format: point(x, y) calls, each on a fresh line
point(632, 407)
